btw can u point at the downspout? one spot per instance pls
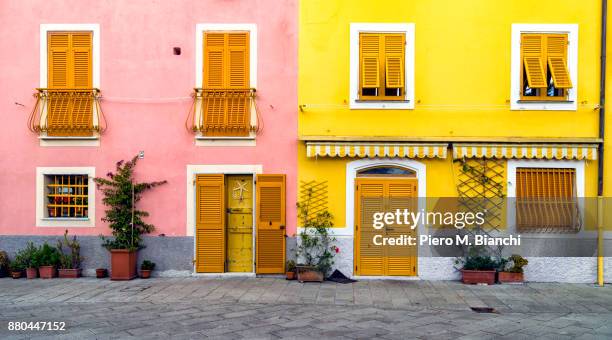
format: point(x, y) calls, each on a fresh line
point(600, 150)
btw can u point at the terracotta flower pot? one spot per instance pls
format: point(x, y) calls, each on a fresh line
point(145, 273)
point(123, 264)
point(69, 273)
point(290, 275)
point(16, 274)
point(508, 277)
point(31, 273)
point(101, 273)
point(478, 276)
point(46, 272)
point(309, 274)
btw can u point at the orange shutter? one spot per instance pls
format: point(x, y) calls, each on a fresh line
point(556, 52)
point(394, 60)
point(70, 67)
point(226, 68)
point(210, 224)
point(270, 224)
point(532, 53)
point(546, 199)
point(370, 198)
point(369, 48)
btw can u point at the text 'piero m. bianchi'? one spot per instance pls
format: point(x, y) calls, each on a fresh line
point(404, 217)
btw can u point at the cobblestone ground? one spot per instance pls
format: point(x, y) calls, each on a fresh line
point(274, 308)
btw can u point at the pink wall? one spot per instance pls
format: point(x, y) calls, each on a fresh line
point(137, 38)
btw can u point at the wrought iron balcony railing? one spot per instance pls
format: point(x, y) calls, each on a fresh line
point(224, 112)
point(67, 113)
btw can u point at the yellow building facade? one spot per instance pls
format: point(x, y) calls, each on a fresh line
point(432, 91)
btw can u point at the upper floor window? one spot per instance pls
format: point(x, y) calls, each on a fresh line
point(545, 75)
point(381, 66)
point(67, 111)
point(544, 67)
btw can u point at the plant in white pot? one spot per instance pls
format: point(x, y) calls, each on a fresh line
point(121, 193)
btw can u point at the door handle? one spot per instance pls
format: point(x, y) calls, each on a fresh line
point(282, 227)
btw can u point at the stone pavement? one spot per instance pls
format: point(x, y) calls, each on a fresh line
point(255, 308)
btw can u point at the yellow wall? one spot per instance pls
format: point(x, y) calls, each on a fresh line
point(462, 80)
point(462, 68)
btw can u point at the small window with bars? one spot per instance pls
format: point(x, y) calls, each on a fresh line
point(67, 196)
point(546, 200)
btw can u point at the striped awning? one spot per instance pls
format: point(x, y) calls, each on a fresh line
point(533, 151)
point(372, 150)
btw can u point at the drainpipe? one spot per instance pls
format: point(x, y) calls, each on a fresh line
point(600, 158)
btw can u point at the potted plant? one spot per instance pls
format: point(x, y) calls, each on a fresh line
point(315, 249)
point(16, 268)
point(29, 258)
point(512, 271)
point(146, 268)
point(47, 259)
point(478, 267)
point(121, 193)
point(4, 264)
point(290, 270)
point(70, 263)
point(101, 273)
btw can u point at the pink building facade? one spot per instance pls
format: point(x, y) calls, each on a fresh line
point(146, 58)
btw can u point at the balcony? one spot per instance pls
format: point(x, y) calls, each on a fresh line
point(224, 113)
point(68, 113)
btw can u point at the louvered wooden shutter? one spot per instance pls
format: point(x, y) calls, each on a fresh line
point(394, 60)
point(369, 47)
point(210, 224)
point(556, 52)
point(214, 60)
point(371, 199)
point(70, 67)
point(532, 53)
point(59, 70)
point(270, 224)
point(401, 260)
point(546, 198)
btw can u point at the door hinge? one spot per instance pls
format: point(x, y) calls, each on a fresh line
point(413, 268)
point(355, 268)
point(356, 227)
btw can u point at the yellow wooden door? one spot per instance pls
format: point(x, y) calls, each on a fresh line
point(239, 192)
point(270, 219)
point(210, 224)
point(384, 195)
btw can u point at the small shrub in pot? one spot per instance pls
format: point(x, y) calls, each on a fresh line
point(16, 268)
point(4, 263)
point(48, 258)
point(512, 271)
point(29, 258)
point(146, 268)
point(70, 262)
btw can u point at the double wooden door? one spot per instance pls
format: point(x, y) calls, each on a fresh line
point(382, 195)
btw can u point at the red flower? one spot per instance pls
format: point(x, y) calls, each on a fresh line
point(337, 250)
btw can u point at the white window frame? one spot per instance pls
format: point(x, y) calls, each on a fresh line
point(514, 164)
point(200, 139)
point(95, 55)
point(408, 30)
point(515, 67)
point(41, 195)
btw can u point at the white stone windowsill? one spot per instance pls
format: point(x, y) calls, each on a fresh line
point(225, 141)
point(69, 141)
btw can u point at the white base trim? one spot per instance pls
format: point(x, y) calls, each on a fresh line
point(223, 275)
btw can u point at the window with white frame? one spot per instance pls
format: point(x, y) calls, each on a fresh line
point(65, 197)
point(544, 67)
point(381, 66)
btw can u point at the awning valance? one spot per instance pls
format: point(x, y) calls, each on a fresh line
point(371, 150)
point(533, 151)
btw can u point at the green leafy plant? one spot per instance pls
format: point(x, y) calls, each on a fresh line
point(16, 265)
point(290, 266)
point(478, 259)
point(29, 256)
point(315, 246)
point(72, 259)
point(517, 263)
point(121, 193)
point(47, 256)
point(147, 265)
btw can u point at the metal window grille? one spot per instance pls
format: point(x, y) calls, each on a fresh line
point(67, 196)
